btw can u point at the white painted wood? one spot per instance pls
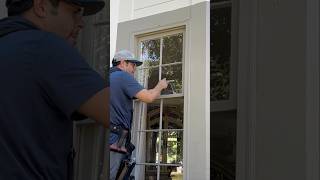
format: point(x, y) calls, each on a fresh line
point(114, 17)
point(125, 10)
point(142, 4)
point(196, 74)
point(144, 9)
point(198, 124)
point(130, 10)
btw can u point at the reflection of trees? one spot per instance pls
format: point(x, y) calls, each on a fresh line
point(220, 82)
point(172, 49)
point(101, 44)
point(150, 52)
point(172, 141)
point(220, 45)
point(172, 53)
point(173, 72)
point(174, 148)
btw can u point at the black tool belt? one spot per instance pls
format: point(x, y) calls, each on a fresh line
point(123, 144)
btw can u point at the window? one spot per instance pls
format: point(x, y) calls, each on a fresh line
point(223, 81)
point(222, 57)
point(158, 127)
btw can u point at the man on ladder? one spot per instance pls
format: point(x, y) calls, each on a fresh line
point(123, 89)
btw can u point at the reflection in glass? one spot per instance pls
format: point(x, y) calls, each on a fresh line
point(101, 46)
point(152, 150)
point(172, 48)
point(172, 72)
point(171, 172)
point(148, 78)
point(141, 75)
point(171, 147)
point(172, 114)
point(153, 115)
point(151, 172)
point(153, 77)
point(220, 45)
point(150, 52)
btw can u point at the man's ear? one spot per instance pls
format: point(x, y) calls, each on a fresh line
point(122, 62)
point(40, 8)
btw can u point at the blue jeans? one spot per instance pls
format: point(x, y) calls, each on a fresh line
point(115, 161)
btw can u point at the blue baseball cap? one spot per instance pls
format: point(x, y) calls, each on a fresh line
point(90, 6)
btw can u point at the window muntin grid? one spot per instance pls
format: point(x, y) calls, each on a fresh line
point(160, 131)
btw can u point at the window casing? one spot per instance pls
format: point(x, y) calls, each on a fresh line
point(158, 126)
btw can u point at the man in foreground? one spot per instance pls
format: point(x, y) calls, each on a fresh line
point(46, 85)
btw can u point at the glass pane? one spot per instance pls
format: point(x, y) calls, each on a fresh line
point(141, 75)
point(172, 48)
point(147, 77)
point(151, 172)
point(153, 77)
point(171, 172)
point(153, 115)
point(171, 147)
point(150, 52)
point(101, 49)
point(172, 72)
point(223, 126)
point(152, 146)
point(220, 45)
point(172, 115)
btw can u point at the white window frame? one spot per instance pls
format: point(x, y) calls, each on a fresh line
point(140, 109)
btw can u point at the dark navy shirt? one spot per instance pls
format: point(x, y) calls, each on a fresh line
point(43, 82)
point(123, 88)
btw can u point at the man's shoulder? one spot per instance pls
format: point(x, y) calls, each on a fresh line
point(49, 44)
point(37, 39)
point(122, 75)
point(49, 40)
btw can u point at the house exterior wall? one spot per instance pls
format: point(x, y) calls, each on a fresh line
point(281, 75)
point(130, 10)
point(197, 109)
point(279, 90)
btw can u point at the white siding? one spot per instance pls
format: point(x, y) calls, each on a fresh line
point(130, 10)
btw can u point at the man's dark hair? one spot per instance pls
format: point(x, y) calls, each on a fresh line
point(17, 7)
point(115, 63)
